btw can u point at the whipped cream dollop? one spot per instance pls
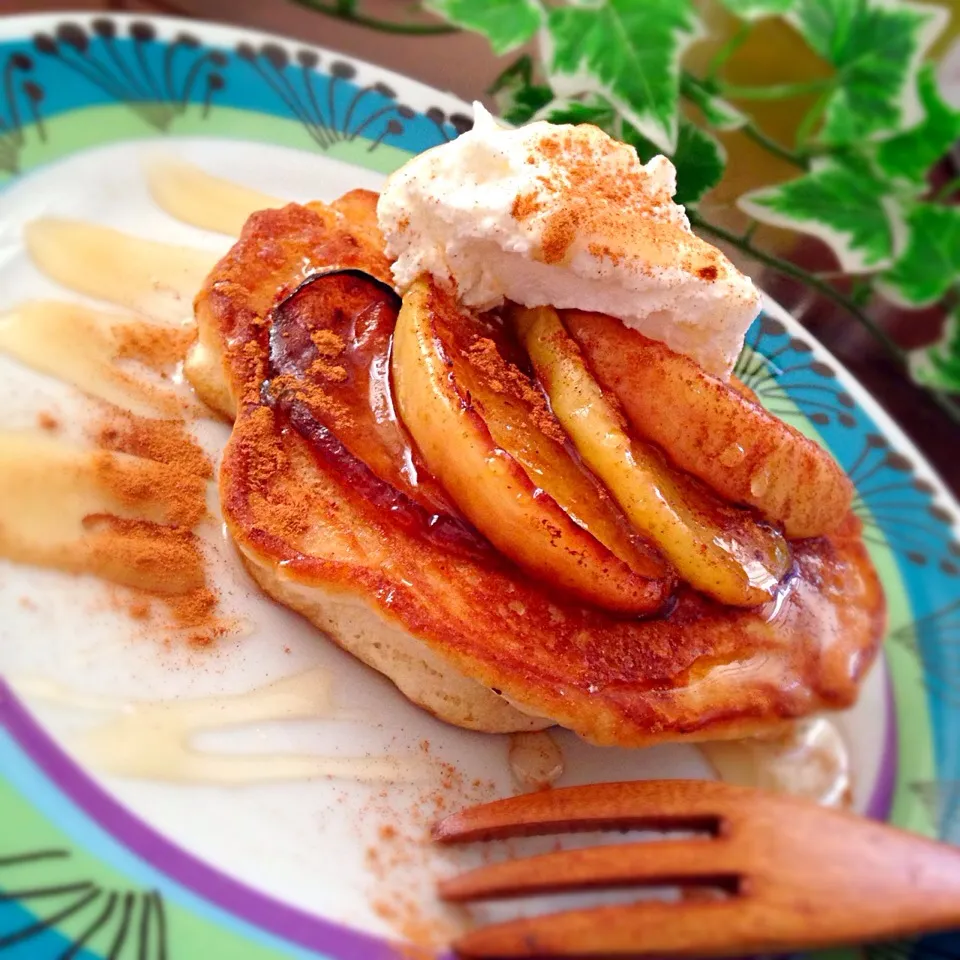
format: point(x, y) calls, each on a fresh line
point(566, 216)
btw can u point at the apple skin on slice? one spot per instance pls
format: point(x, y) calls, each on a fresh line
point(716, 548)
point(710, 430)
point(485, 433)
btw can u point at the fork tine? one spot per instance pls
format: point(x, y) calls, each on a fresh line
point(654, 927)
point(701, 861)
point(650, 804)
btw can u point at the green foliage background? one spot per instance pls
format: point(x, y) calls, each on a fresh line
point(862, 152)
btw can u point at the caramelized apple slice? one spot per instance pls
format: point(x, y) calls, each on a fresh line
point(717, 549)
point(485, 432)
point(708, 429)
point(330, 352)
point(328, 376)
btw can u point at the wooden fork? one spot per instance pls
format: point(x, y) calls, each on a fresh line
point(797, 876)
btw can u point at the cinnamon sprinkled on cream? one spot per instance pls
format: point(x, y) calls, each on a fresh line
point(565, 216)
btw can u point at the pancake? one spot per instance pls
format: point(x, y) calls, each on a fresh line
point(377, 556)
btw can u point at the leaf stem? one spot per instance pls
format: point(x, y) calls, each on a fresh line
point(521, 68)
point(812, 117)
point(946, 191)
point(688, 81)
point(347, 11)
point(832, 274)
point(751, 130)
point(774, 91)
point(946, 403)
point(727, 51)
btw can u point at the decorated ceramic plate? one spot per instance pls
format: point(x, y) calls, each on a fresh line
point(198, 773)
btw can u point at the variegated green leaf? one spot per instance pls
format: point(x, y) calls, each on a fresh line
point(930, 262)
point(841, 201)
point(516, 96)
point(593, 110)
point(626, 51)
point(876, 47)
point(719, 113)
point(938, 365)
point(910, 155)
point(524, 104)
point(757, 9)
point(700, 160)
point(507, 24)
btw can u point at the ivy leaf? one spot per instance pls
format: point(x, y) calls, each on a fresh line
point(843, 202)
point(910, 155)
point(524, 104)
point(626, 51)
point(757, 9)
point(516, 96)
point(938, 365)
point(930, 261)
point(700, 160)
point(593, 110)
point(719, 113)
point(507, 24)
point(877, 47)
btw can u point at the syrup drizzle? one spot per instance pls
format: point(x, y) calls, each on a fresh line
point(158, 280)
point(155, 739)
point(194, 196)
point(83, 346)
point(810, 760)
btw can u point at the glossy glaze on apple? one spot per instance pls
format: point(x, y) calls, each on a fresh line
point(330, 519)
point(717, 548)
point(329, 378)
point(726, 439)
point(486, 433)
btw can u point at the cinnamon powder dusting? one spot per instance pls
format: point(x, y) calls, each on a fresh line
point(329, 346)
point(327, 371)
point(559, 232)
point(595, 190)
point(47, 421)
point(403, 862)
point(279, 514)
point(162, 565)
point(153, 345)
point(261, 448)
point(165, 441)
point(525, 205)
point(504, 377)
point(328, 343)
point(164, 561)
point(143, 483)
point(323, 404)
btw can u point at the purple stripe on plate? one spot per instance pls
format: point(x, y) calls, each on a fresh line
point(880, 804)
point(287, 923)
